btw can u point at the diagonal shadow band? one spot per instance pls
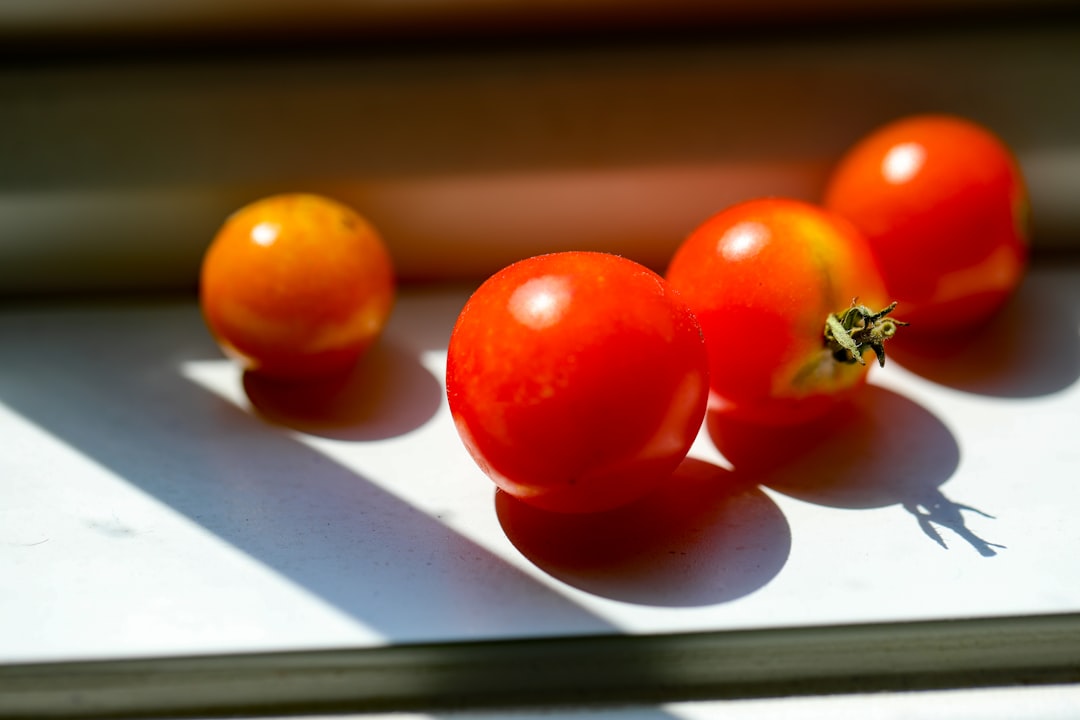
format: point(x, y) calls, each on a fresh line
point(108, 384)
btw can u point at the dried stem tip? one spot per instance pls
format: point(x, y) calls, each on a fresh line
point(850, 333)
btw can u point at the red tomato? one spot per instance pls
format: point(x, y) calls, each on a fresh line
point(763, 278)
point(296, 286)
point(577, 380)
point(943, 204)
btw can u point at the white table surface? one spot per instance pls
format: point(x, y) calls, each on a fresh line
point(147, 509)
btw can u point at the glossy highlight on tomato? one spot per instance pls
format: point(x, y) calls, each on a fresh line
point(296, 286)
point(577, 380)
point(763, 278)
point(943, 204)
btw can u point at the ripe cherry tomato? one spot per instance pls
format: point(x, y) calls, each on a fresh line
point(296, 286)
point(577, 380)
point(943, 204)
point(764, 277)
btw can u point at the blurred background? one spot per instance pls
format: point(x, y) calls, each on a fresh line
point(476, 132)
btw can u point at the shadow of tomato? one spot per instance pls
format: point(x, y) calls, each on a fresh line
point(879, 449)
point(1031, 348)
point(388, 393)
point(703, 538)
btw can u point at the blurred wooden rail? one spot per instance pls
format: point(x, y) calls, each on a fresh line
point(117, 169)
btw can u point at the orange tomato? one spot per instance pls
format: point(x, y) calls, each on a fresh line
point(296, 286)
point(944, 206)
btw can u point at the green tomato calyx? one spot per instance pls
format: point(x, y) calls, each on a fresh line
point(849, 334)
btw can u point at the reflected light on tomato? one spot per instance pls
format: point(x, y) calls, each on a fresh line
point(743, 241)
point(265, 233)
point(670, 437)
point(540, 302)
point(903, 162)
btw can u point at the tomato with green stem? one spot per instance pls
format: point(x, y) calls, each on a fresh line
point(790, 299)
point(943, 203)
point(577, 380)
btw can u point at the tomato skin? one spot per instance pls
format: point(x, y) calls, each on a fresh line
point(762, 276)
point(944, 206)
point(296, 286)
point(577, 380)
